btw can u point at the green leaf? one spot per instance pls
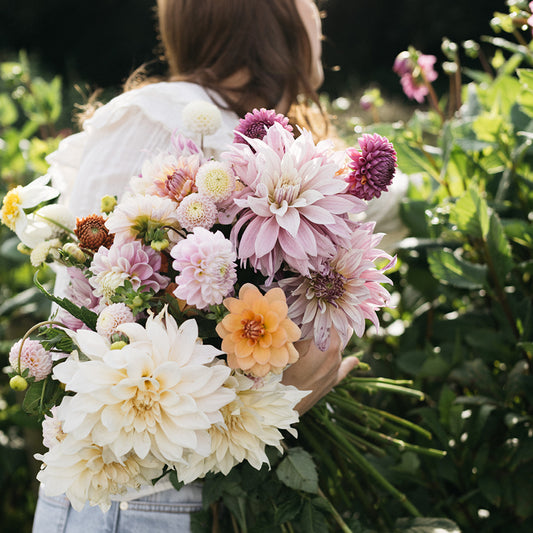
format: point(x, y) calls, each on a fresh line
point(298, 471)
point(455, 271)
point(471, 215)
point(312, 519)
point(499, 249)
point(173, 477)
point(8, 111)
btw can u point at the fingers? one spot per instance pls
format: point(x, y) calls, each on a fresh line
point(347, 365)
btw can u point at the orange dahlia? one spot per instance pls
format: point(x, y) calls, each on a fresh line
point(256, 334)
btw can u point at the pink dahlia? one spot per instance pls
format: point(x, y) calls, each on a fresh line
point(132, 261)
point(415, 71)
point(33, 357)
point(206, 262)
point(342, 292)
point(372, 168)
point(80, 293)
point(254, 125)
point(297, 208)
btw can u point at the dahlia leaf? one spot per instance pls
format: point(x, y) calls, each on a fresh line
point(455, 271)
point(298, 471)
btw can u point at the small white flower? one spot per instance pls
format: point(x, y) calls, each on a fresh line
point(202, 117)
point(44, 251)
point(17, 200)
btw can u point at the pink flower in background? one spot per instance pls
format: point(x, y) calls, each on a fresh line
point(80, 293)
point(342, 292)
point(254, 125)
point(530, 19)
point(206, 262)
point(33, 357)
point(415, 69)
point(372, 167)
point(296, 211)
point(132, 261)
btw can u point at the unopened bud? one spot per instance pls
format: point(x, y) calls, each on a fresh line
point(18, 383)
point(107, 204)
point(118, 345)
point(160, 245)
point(23, 249)
point(74, 251)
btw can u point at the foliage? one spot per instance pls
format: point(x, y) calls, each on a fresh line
point(465, 291)
point(29, 108)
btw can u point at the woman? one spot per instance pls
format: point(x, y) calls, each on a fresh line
point(239, 54)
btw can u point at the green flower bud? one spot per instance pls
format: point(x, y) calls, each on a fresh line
point(161, 245)
point(118, 345)
point(108, 203)
point(18, 383)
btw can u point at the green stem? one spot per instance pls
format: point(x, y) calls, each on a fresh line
point(371, 471)
point(338, 518)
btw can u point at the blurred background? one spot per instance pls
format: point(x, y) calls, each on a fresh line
point(98, 44)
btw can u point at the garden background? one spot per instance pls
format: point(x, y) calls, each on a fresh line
point(461, 332)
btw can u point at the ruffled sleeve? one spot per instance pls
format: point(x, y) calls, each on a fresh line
point(119, 136)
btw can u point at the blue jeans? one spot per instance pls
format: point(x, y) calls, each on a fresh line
point(168, 510)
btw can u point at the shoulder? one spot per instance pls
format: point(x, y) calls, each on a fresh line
point(161, 103)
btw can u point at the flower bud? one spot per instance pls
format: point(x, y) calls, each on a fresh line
point(74, 251)
point(18, 383)
point(160, 245)
point(107, 204)
point(118, 345)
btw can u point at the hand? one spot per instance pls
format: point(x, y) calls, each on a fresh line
point(318, 371)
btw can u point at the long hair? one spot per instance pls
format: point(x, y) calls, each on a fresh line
point(209, 41)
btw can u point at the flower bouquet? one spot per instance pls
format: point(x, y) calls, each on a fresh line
point(186, 299)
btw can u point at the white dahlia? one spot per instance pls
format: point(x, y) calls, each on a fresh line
point(202, 117)
point(88, 473)
point(252, 421)
point(155, 395)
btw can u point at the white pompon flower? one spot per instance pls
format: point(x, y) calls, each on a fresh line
point(156, 395)
point(202, 117)
point(252, 421)
point(111, 317)
point(88, 473)
point(216, 181)
point(44, 251)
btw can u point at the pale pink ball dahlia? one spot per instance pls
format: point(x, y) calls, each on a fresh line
point(111, 317)
point(372, 167)
point(33, 357)
point(343, 292)
point(206, 262)
point(132, 261)
point(196, 211)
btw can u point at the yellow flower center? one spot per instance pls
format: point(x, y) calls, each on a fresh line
point(11, 207)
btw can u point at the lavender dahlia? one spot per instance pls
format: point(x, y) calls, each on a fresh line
point(372, 168)
point(343, 292)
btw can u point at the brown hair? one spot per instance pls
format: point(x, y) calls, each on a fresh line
point(209, 41)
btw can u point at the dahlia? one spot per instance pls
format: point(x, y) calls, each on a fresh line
point(216, 181)
point(88, 473)
point(168, 176)
point(256, 334)
point(297, 208)
point(206, 262)
point(134, 261)
point(80, 293)
point(196, 210)
point(252, 421)
point(52, 429)
point(415, 71)
point(202, 117)
point(143, 217)
point(254, 125)
point(157, 395)
point(372, 168)
point(342, 292)
point(92, 233)
point(111, 317)
point(33, 357)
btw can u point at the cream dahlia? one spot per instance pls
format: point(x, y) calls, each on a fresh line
point(157, 395)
